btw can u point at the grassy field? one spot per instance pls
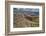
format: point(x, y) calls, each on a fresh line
point(21, 20)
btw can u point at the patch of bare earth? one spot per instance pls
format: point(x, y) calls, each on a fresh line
point(21, 21)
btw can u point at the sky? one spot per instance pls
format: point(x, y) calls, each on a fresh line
point(28, 11)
